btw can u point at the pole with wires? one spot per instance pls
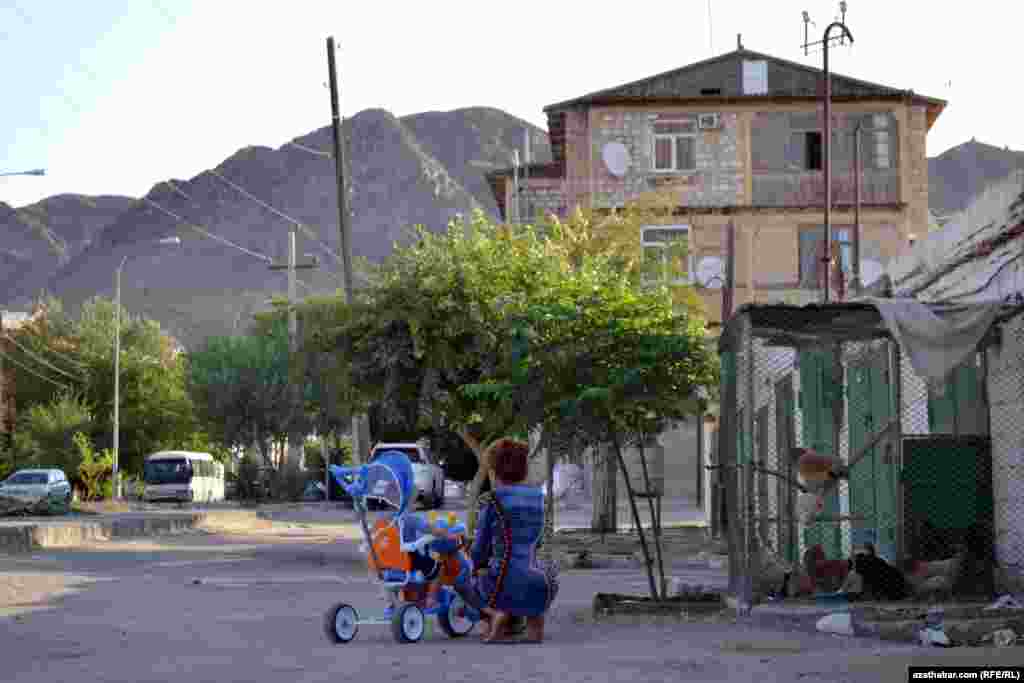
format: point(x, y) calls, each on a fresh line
point(360, 433)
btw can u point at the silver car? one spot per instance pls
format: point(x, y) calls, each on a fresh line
point(28, 491)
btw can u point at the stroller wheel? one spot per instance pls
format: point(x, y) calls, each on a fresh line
point(455, 621)
point(408, 624)
point(341, 623)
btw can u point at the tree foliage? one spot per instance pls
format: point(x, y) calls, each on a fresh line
point(603, 361)
point(45, 433)
point(430, 339)
point(240, 388)
point(94, 469)
point(77, 355)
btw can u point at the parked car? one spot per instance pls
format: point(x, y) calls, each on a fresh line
point(314, 491)
point(428, 474)
point(35, 491)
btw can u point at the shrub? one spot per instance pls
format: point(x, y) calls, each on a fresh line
point(94, 471)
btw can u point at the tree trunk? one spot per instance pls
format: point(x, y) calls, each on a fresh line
point(472, 504)
point(648, 561)
point(655, 521)
point(605, 517)
point(548, 537)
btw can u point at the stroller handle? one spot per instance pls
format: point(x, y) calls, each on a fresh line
point(352, 479)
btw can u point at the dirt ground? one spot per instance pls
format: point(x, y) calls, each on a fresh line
point(247, 605)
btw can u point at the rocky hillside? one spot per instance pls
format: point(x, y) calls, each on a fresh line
point(421, 169)
point(960, 173)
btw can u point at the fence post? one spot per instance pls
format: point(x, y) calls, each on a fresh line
point(747, 344)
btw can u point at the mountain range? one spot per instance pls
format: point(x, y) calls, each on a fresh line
point(232, 220)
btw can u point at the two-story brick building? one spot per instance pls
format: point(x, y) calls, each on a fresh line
point(739, 138)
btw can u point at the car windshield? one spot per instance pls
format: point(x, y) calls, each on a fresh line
point(412, 453)
point(27, 478)
point(169, 471)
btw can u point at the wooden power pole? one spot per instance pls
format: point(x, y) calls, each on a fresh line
point(360, 431)
point(294, 437)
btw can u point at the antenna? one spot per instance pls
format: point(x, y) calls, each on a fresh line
point(807, 20)
point(711, 35)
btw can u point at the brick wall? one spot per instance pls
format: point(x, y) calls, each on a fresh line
point(917, 171)
point(717, 181)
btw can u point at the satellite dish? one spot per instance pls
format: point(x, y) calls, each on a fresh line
point(870, 271)
point(616, 158)
point(710, 272)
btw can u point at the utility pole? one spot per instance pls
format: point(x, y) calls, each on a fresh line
point(294, 437)
point(360, 431)
point(729, 290)
point(858, 174)
point(826, 142)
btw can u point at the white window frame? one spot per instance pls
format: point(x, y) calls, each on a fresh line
point(652, 243)
point(655, 137)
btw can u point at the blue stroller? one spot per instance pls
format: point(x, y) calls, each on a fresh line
point(417, 569)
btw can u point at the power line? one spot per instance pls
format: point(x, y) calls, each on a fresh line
point(189, 224)
point(181, 192)
point(39, 359)
point(306, 229)
point(317, 152)
point(33, 372)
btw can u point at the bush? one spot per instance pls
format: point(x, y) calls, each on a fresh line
point(94, 471)
point(45, 433)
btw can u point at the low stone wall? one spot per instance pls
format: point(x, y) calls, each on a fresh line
point(33, 536)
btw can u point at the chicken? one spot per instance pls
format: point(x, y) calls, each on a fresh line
point(828, 574)
point(936, 578)
point(818, 472)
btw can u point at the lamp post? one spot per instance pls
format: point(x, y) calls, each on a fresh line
point(168, 241)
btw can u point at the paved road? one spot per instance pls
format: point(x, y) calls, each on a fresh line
point(135, 613)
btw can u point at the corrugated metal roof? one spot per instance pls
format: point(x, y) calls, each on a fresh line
point(976, 257)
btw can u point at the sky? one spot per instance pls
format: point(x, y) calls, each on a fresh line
point(112, 97)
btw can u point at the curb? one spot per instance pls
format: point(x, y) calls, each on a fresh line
point(31, 537)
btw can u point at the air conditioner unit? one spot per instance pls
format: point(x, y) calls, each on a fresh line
point(709, 121)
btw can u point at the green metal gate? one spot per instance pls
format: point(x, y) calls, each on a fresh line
point(819, 391)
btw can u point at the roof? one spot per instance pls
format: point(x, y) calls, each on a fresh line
point(785, 79)
point(972, 256)
point(816, 324)
point(190, 454)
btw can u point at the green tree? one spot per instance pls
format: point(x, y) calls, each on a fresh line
point(239, 386)
point(44, 434)
point(78, 354)
point(429, 322)
point(603, 361)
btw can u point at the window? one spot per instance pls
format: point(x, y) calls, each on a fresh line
point(812, 150)
point(675, 145)
point(666, 254)
point(879, 154)
point(755, 77)
point(812, 251)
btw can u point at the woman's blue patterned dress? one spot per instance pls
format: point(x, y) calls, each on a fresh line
point(509, 530)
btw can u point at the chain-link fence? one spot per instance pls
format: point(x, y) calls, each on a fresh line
point(840, 447)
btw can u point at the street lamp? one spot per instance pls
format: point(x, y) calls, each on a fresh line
point(166, 241)
point(35, 171)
